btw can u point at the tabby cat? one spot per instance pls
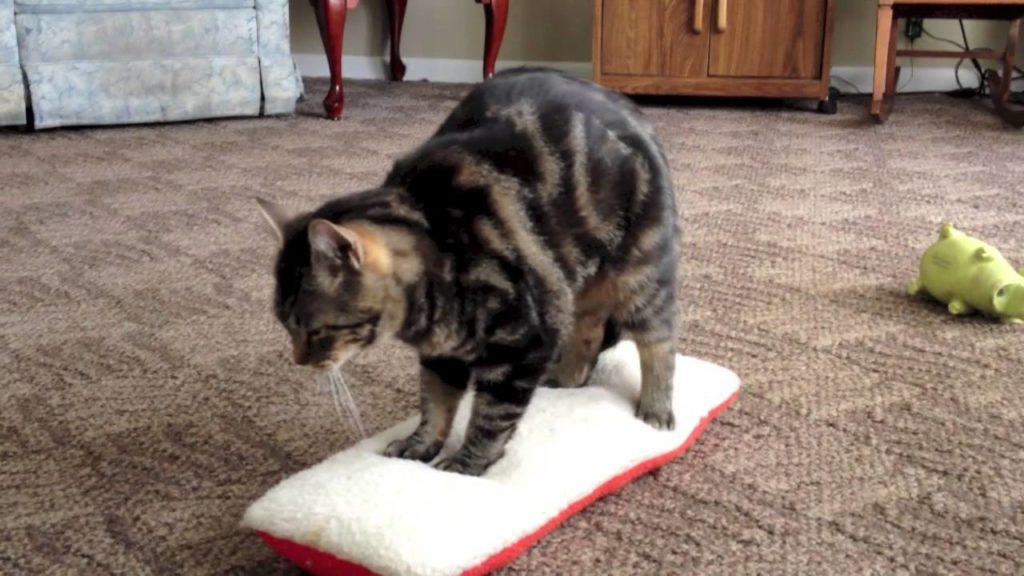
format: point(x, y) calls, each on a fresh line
point(535, 228)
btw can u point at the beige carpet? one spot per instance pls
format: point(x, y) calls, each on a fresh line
point(147, 395)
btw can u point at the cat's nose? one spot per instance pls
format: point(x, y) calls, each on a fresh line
point(301, 356)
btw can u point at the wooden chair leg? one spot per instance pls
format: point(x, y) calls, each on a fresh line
point(884, 35)
point(330, 16)
point(892, 71)
point(396, 18)
point(999, 85)
point(496, 14)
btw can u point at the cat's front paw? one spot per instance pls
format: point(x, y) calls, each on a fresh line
point(414, 448)
point(461, 465)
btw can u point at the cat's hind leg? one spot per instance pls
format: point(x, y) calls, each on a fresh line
point(657, 366)
point(651, 321)
point(442, 384)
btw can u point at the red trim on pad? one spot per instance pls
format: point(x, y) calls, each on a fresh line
point(312, 560)
point(321, 563)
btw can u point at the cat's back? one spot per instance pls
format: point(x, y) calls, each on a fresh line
point(577, 158)
point(551, 95)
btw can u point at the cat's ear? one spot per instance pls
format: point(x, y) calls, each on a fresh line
point(334, 247)
point(277, 216)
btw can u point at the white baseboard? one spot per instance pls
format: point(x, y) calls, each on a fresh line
point(922, 79)
point(916, 79)
point(433, 69)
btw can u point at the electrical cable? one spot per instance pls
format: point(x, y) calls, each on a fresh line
point(847, 82)
point(909, 79)
point(982, 89)
point(938, 39)
point(967, 45)
point(963, 90)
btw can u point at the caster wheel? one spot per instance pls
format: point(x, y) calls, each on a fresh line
point(830, 106)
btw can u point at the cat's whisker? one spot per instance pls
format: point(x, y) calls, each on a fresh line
point(343, 401)
point(350, 401)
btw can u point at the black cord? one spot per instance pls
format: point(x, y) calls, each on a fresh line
point(911, 78)
point(956, 69)
point(962, 90)
point(982, 89)
point(946, 40)
point(982, 85)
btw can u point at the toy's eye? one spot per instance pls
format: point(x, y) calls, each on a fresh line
point(1001, 292)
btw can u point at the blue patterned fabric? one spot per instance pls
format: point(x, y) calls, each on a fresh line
point(68, 6)
point(133, 36)
point(131, 61)
point(12, 91)
point(282, 84)
point(93, 93)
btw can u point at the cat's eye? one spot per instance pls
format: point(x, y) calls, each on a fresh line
point(348, 326)
point(328, 329)
point(317, 333)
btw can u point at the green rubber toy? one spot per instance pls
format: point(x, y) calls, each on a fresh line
point(969, 275)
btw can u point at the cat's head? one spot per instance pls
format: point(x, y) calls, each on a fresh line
point(332, 293)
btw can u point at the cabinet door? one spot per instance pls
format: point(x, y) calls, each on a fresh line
point(655, 37)
point(767, 39)
point(631, 37)
point(685, 38)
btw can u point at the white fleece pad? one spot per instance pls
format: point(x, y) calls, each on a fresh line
point(361, 513)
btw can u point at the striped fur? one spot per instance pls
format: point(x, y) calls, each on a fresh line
point(535, 228)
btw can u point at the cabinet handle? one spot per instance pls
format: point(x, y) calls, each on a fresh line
point(723, 12)
point(698, 16)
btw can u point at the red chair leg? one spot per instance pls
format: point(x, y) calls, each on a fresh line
point(396, 18)
point(330, 15)
point(496, 14)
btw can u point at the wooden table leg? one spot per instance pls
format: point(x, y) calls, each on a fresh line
point(330, 16)
point(884, 41)
point(892, 72)
point(396, 18)
point(496, 14)
point(999, 85)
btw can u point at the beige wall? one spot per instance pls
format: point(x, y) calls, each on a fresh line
point(854, 41)
point(538, 30)
point(560, 31)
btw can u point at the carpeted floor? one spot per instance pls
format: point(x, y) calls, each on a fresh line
point(147, 395)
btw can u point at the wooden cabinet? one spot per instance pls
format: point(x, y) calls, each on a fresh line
point(771, 48)
point(653, 38)
point(774, 39)
point(631, 33)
